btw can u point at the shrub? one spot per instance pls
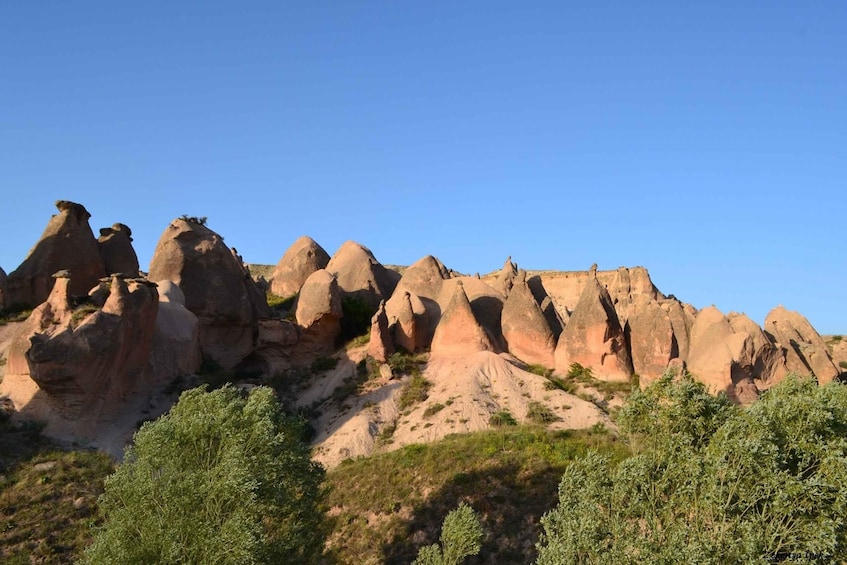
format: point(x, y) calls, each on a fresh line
point(502, 418)
point(415, 390)
point(461, 536)
point(322, 364)
point(200, 220)
point(433, 409)
point(355, 319)
point(540, 414)
point(219, 479)
point(842, 364)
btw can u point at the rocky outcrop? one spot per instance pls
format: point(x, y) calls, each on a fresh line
point(176, 343)
point(651, 339)
point(217, 288)
point(424, 279)
point(115, 244)
point(79, 366)
point(409, 324)
point(303, 258)
point(525, 329)
point(66, 244)
point(803, 348)
point(459, 332)
point(594, 338)
point(682, 318)
point(318, 312)
point(506, 277)
point(731, 354)
point(360, 275)
point(380, 346)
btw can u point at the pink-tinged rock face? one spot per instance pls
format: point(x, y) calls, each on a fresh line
point(594, 338)
point(459, 332)
point(380, 346)
point(66, 244)
point(303, 258)
point(318, 313)
point(525, 329)
point(651, 339)
point(359, 274)
point(115, 244)
point(804, 349)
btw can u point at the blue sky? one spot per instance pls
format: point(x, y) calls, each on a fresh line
point(706, 141)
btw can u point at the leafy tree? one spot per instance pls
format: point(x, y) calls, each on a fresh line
point(711, 483)
point(461, 536)
point(219, 479)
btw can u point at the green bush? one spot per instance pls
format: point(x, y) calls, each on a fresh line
point(502, 418)
point(538, 413)
point(709, 482)
point(415, 390)
point(322, 364)
point(219, 479)
point(355, 319)
point(461, 536)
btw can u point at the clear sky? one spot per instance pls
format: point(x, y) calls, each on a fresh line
point(706, 141)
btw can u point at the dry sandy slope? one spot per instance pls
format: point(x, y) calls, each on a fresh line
point(470, 389)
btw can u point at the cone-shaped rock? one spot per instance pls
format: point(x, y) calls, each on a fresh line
point(409, 323)
point(380, 346)
point(215, 286)
point(303, 258)
point(116, 249)
point(506, 277)
point(805, 350)
point(651, 339)
point(318, 312)
point(360, 275)
point(593, 337)
point(458, 332)
point(424, 279)
point(525, 329)
point(66, 244)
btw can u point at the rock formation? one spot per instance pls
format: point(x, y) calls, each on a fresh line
point(380, 346)
point(66, 244)
point(733, 355)
point(425, 280)
point(176, 343)
point(459, 332)
point(216, 287)
point(682, 318)
point(651, 339)
point(409, 327)
point(360, 275)
point(594, 338)
point(80, 365)
point(116, 250)
point(506, 277)
point(804, 350)
point(525, 329)
point(318, 312)
point(303, 258)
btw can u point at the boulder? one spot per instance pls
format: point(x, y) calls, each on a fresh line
point(651, 340)
point(66, 244)
point(459, 332)
point(116, 250)
point(803, 348)
point(593, 337)
point(217, 289)
point(303, 258)
point(525, 329)
point(318, 313)
point(360, 275)
point(78, 367)
point(380, 346)
point(731, 354)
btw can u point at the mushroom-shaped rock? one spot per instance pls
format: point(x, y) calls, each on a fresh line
point(804, 349)
point(215, 286)
point(360, 275)
point(525, 329)
point(409, 323)
point(176, 343)
point(731, 354)
point(67, 243)
point(303, 258)
point(380, 346)
point(459, 332)
point(116, 249)
point(75, 369)
point(651, 340)
point(318, 312)
point(593, 337)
